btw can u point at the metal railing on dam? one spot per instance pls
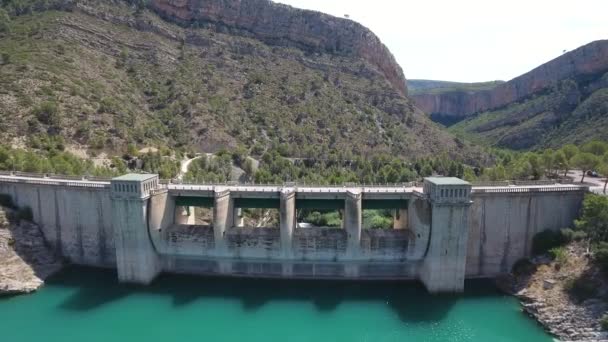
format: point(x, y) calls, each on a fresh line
point(50, 179)
point(408, 187)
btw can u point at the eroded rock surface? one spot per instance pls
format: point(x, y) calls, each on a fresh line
point(553, 295)
point(25, 260)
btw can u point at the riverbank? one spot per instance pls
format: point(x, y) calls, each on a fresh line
point(566, 297)
point(25, 259)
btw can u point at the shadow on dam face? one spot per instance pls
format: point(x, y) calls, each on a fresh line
point(96, 288)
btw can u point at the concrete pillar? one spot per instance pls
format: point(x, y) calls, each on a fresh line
point(185, 215)
point(419, 224)
point(287, 220)
point(444, 266)
point(239, 220)
point(161, 216)
point(400, 219)
point(136, 259)
point(223, 211)
point(352, 222)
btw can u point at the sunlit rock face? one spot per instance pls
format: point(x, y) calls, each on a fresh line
point(590, 59)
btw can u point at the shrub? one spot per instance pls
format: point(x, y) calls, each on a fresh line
point(604, 322)
point(569, 235)
point(559, 254)
point(600, 255)
point(545, 240)
point(581, 288)
point(523, 266)
point(594, 218)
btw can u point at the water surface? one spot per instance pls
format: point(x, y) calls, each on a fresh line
point(89, 305)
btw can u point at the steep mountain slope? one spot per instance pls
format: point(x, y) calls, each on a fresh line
point(569, 112)
point(103, 73)
point(556, 102)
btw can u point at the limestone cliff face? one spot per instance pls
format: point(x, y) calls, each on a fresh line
point(278, 23)
point(587, 60)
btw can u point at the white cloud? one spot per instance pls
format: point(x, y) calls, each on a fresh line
point(473, 40)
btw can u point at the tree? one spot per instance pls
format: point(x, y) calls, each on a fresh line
point(603, 170)
point(594, 217)
point(561, 162)
point(536, 166)
point(48, 113)
point(248, 167)
point(548, 159)
point(569, 152)
point(132, 150)
point(426, 171)
point(596, 147)
point(5, 21)
point(586, 162)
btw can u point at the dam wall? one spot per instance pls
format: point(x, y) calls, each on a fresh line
point(443, 232)
point(75, 216)
point(502, 223)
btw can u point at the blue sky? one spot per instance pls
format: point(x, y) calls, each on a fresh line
point(473, 40)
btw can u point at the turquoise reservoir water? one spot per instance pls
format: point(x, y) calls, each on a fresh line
point(89, 305)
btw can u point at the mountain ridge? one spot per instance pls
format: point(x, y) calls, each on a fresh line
point(587, 60)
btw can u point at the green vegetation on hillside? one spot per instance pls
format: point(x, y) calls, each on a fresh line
point(572, 111)
point(104, 82)
point(49, 160)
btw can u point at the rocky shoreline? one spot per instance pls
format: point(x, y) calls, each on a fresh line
point(25, 259)
point(548, 293)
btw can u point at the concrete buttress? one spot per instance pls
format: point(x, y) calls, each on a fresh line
point(136, 260)
point(352, 222)
point(287, 220)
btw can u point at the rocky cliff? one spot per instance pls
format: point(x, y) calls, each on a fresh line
point(25, 259)
point(586, 61)
point(285, 25)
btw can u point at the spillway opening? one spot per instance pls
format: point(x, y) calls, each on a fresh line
point(194, 211)
point(378, 219)
point(320, 218)
point(257, 218)
point(384, 214)
point(320, 213)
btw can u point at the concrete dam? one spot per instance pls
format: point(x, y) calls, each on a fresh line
point(444, 230)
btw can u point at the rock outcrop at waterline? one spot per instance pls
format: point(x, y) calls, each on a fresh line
point(590, 59)
point(25, 260)
point(282, 24)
